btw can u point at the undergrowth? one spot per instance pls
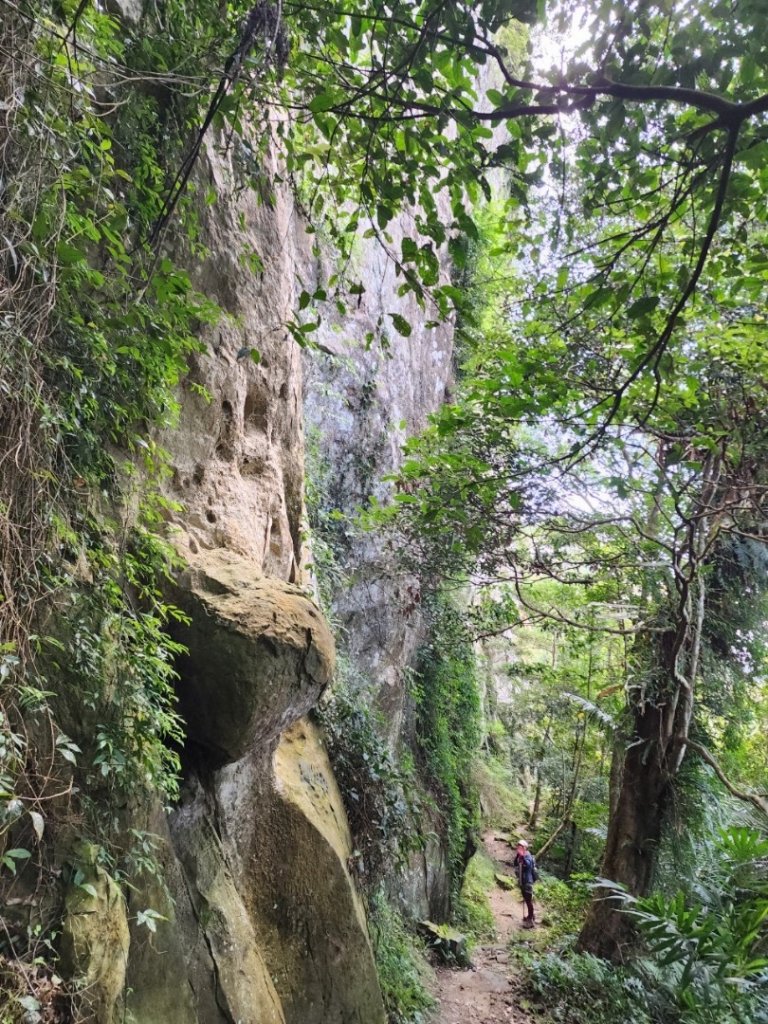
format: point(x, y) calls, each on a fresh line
point(582, 989)
point(379, 793)
point(700, 959)
point(565, 905)
point(404, 975)
point(473, 910)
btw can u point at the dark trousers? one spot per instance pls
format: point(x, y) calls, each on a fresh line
point(527, 891)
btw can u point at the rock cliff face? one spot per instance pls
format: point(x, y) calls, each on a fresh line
point(263, 924)
point(361, 403)
point(260, 920)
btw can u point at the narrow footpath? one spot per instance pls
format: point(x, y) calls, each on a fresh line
point(487, 993)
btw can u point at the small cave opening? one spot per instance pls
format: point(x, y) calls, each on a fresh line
point(255, 411)
point(197, 761)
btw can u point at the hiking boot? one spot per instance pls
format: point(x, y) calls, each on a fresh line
point(528, 923)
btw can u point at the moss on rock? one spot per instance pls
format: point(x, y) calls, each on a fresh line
point(95, 937)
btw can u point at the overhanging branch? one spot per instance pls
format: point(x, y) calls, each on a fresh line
point(756, 799)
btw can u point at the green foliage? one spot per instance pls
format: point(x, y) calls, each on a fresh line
point(610, 521)
point(121, 666)
point(96, 331)
point(378, 793)
point(473, 911)
point(500, 795)
point(448, 723)
point(565, 905)
point(403, 972)
point(586, 990)
point(704, 956)
point(709, 959)
point(371, 173)
point(559, 711)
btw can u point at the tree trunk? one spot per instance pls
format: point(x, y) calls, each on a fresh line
point(614, 781)
point(534, 818)
point(570, 856)
point(634, 831)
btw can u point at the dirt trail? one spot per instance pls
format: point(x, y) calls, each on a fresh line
point(487, 993)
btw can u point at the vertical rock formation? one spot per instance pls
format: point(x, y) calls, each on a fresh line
point(265, 925)
point(362, 402)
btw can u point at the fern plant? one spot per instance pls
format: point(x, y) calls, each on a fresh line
point(710, 958)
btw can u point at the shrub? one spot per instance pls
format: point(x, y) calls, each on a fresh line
point(473, 912)
point(377, 792)
point(564, 904)
point(582, 989)
point(404, 974)
point(708, 957)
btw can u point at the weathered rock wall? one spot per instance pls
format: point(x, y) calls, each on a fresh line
point(362, 402)
point(260, 920)
point(263, 921)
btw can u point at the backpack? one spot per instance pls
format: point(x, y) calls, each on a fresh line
point(534, 869)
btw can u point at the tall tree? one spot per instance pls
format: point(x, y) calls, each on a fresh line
point(504, 483)
point(660, 114)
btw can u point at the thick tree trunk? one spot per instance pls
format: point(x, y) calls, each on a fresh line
point(663, 707)
point(634, 832)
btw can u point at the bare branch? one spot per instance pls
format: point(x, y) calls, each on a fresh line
point(756, 799)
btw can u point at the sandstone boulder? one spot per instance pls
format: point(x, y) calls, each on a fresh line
point(260, 655)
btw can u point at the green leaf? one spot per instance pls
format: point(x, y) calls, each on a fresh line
point(640, 307)
point(10, 857)
point(323, 101)
point(401, 325)
point(68, 255)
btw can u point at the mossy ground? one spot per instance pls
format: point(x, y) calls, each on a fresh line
point(474, 912)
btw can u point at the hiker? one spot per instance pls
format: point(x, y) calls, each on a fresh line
point(525, 869)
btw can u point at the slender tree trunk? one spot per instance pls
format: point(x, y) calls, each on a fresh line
point(534, 818)
point(571, 854)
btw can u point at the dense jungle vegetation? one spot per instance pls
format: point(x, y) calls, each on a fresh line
point(587, 516)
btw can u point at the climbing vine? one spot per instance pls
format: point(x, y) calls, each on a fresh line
point(449, 716)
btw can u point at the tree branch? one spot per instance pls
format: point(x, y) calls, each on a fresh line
point(540, 854)
point(756, 799)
